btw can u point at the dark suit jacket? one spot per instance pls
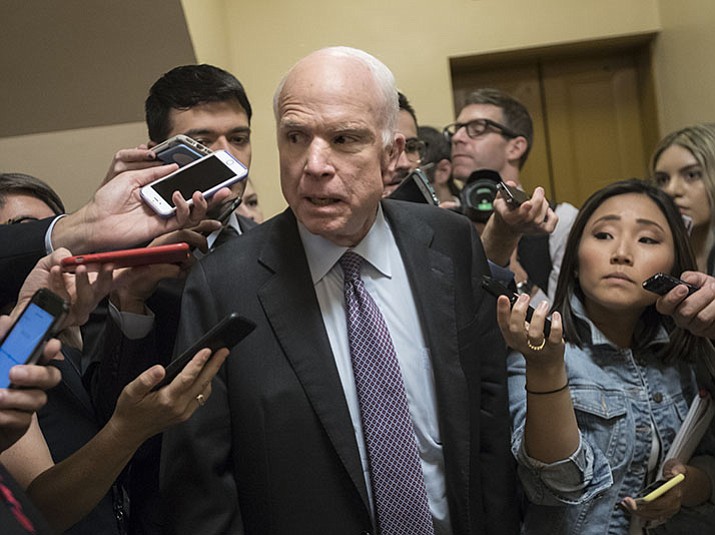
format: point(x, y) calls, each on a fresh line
point(117, 360)
point(273, 451)
point(21, 246)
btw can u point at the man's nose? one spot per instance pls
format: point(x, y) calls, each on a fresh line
point(317, 161)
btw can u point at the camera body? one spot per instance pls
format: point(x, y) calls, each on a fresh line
point(479, 193)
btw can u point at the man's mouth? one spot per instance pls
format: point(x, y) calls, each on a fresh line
point(322, 201)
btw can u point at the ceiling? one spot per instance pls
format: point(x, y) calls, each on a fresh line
point(80, 63)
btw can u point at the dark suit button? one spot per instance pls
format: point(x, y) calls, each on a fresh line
point(657, 397)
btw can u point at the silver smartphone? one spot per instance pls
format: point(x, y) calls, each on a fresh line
point(207, 175)
point(180, 149)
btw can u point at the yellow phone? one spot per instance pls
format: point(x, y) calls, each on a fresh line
point(658, 488)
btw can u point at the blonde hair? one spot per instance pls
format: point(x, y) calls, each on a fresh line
point(699, 140)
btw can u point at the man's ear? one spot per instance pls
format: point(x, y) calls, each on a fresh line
point(516, 148)
point(392, 153)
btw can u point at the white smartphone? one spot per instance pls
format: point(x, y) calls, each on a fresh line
point(207, 175)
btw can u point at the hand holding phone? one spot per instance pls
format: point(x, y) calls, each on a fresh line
point(227, 333)
point(513, 196)
point(656, 489)
point(495, 288)
point(207, 175)
point(652, 492)
point(36, 324)
point(662, 283)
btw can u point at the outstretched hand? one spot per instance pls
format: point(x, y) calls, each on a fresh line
point(534, 216)
point(17, 405)
point(82, 290)
point(528, 337)
point(117, 217)
point(140, 157)
point(141, 413)
point(695, 313)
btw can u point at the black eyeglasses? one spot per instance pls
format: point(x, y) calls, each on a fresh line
point(414, 149)
point(477, 127)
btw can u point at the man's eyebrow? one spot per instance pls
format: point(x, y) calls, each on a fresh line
point(207, 131)
point(290, 123)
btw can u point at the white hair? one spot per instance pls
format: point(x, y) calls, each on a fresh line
point(383, 78)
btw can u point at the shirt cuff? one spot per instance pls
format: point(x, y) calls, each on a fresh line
point(133, 326)
point(501, 273)
point(48, 235)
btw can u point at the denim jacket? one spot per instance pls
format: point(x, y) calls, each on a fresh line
point(619, 398)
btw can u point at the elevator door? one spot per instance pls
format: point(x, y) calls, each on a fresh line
point(589, 119)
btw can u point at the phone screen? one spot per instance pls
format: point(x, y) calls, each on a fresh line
point(27, 333)
point(199, 177)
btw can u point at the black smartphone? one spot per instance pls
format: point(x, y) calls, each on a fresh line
point(24, 342)
point(227, 333)
point(662, 283)
point(496, 289)
point(416, 188)
point(513, 196)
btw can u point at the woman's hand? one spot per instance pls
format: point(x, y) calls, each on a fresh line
point(528, 338)
point(141, 413)
point(661, 509)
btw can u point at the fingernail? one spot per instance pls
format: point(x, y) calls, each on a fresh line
point(18, 372)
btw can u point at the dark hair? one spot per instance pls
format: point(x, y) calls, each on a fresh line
point(682, 344)
point(515, 115)
point(21, 184)
point(404, 104)
point(187, 86)
point(437, 148)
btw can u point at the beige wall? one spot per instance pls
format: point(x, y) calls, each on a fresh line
point(684, 70)
point(258, 41)
point(73, 162)
point(415, 38)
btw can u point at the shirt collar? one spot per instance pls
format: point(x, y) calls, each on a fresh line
point(323, 254)
point(598, 338)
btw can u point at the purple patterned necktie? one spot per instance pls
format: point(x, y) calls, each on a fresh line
point(398, 484)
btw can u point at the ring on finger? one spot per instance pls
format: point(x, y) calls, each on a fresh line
point(201, 400)
point(536, 347)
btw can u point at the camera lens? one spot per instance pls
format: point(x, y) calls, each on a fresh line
point(478, 199)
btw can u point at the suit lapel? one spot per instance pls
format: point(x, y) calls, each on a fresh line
point(432, 278)
point(304, 340)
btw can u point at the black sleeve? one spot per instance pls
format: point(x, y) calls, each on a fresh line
point(21, 246)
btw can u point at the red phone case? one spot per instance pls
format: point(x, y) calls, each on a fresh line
point(172, 253)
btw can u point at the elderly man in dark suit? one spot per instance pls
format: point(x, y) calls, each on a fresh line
point(301, 434)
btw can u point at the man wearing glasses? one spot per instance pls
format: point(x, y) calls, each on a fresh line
point(414, 147)
point(494, 131)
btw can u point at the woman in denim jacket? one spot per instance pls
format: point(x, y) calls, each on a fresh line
point(594, 415)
